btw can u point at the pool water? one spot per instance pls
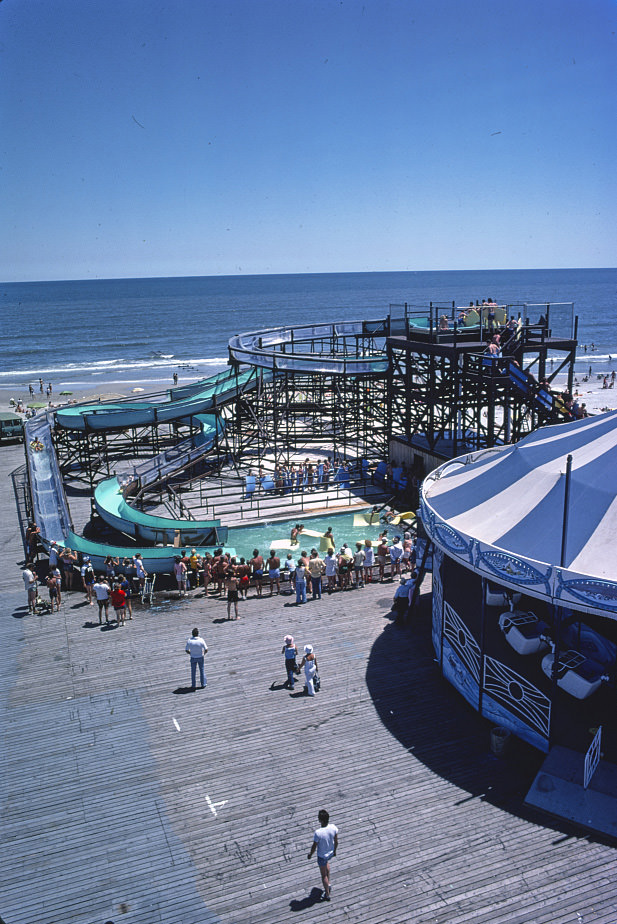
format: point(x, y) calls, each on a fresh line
point(246, 538)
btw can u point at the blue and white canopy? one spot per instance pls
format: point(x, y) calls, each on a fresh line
point(501, 512)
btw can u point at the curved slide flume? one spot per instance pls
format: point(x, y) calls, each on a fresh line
point(184, 405)
point(110, 495)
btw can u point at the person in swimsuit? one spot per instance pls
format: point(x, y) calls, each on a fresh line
point(232, 583)
point(257, 570)
point(274, 572)
point(52, 586)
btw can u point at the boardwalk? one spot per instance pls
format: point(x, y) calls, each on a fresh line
point(127, 798)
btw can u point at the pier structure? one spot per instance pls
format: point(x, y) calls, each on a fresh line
point(417, 386)
point(449, 394)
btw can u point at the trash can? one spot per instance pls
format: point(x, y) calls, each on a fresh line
point(499, 740)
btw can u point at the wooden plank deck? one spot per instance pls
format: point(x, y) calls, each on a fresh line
point(127, 798)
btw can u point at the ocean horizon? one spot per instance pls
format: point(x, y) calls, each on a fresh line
point(106, 333)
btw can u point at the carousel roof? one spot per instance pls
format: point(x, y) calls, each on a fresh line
point(509, 503)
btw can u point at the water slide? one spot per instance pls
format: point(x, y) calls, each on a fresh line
point(182, 405)
point(543, 400)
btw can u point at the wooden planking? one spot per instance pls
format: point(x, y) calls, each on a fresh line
point(104, 801)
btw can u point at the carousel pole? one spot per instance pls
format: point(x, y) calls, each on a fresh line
point(557, 610)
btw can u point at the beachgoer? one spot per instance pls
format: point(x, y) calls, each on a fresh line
point(291, 666)
point(125, 585)
point(32, 540)
point(141, 572)
point(187, 564)
point(345, 564)
point(257, 570)
point(316, 568)
point(369, 561)
point(300, 582)
point(274, 572)
point(295, 532)
point(52, 586)
point(197, 649)
point(87, 579)
point(396, 554)
point(330, 537)
point(118, 601)
point(101, 590)
point(30, 585)
point(244, 578)
point(194, 566)
point(290, 566)
point(69, 559)
point(325, 841)
point(207, 571)
point(232, 584)
point(358, 564)
point(111, 564)
point(331, 565)
point(382, 554)
point(309, 663)
point(180, 574)
point(175, 378)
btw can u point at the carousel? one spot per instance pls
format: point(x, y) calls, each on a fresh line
point(524, 617)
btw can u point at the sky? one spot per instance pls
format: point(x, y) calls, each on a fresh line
point(209, 137)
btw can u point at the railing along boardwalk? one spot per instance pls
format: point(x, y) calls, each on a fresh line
point(112, 773)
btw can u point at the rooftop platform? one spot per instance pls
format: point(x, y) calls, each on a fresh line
point(127, 798)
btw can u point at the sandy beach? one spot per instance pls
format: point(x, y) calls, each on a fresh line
point(590, 393)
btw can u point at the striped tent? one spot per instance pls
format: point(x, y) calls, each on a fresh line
point(508, 514)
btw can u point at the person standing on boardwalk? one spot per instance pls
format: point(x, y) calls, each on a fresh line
point(232, 584)
point(309, 663)
point(118, 601)
point(325, 842)
point(69, 558)
point(274, 572)
point(101, 591)
point(30, 586)
point(87, 579)
point(316, 569)
point(291, 653)
point(257, 570)
point(197, 649)
point(52, 586)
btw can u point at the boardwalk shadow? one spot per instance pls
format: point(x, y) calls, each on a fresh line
point(436, 724)
point(314, 898)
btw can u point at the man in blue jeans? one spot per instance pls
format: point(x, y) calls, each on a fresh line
point(197, 649)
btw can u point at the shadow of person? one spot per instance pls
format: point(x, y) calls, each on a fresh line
point(284, 685)
point(90, 625)
point(297, 695)
point(20, 612)
point(180, 691)
point(313, 898)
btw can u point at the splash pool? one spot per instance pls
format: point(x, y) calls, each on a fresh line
point(246, 538)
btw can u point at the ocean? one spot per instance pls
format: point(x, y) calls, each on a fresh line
point(108, 334)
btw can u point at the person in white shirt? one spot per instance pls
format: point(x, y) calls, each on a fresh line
point(396, 553)
point(325, 842)
point(30, 586)
point(140, 570)
point(358, 564)
point(101, 592)
point(197, 649)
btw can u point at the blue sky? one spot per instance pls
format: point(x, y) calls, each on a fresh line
point(199, 137)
